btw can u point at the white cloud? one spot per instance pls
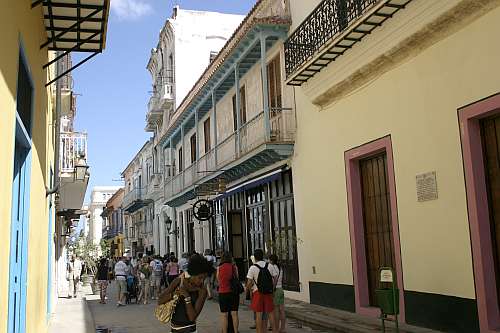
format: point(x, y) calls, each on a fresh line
point(130, 9)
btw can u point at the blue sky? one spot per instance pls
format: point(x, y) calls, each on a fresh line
point(115, 85)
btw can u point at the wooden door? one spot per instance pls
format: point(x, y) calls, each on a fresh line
point(379, 245)
point(256, 203)
point(490, 132)
point(236, 244)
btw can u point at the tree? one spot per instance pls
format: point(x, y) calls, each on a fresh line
point(105, 248)
point(88, 253)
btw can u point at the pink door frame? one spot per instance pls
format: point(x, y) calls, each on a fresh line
point(356, 228)
point(477, 205)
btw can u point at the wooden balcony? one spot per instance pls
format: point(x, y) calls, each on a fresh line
point(238, 155)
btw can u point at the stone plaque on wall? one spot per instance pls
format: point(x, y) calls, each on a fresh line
point(427, 187)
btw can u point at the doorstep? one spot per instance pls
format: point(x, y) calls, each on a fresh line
point(322, 317)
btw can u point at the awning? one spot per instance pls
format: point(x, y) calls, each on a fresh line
point(74, 26)
point(264, 179)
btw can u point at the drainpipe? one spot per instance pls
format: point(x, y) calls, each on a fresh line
point(56, 184)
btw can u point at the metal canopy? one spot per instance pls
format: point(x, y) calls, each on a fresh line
point(74, 25)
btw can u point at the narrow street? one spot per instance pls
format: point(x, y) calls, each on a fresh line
point(138, 318)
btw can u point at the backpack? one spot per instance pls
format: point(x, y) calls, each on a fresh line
point(158, 266)
point(265, 283)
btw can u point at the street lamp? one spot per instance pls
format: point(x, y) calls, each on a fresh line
point(81, 168)
point(168, 222)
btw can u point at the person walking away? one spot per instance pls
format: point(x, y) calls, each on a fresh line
point(279, 295)
point(209, 281)
point(73, 271)
point(157, 268)
point(192, 294)
point(229, 299)
point(121, 280)
point(111, 267)
point(260, 280)
point(144, 272)
point(102, 279)
point(172, 270)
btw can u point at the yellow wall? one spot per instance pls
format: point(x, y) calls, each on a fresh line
point(19, 22)
point(416, 103)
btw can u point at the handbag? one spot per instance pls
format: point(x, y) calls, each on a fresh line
point(165, 311)
point(236, 286)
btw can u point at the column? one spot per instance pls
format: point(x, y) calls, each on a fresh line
point(214, 124)
point(238, 116)
point(196, 119)
point(183, 154)
point(172, 167)
point(265, 96)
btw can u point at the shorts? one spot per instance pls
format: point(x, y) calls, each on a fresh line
point(155, 281)
point(262, 302)
point(279, 297)
point(103, 285)
point(122, 286)
point(229, 302)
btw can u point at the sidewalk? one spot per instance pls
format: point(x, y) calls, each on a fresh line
point(72, 314)
point(341, 321)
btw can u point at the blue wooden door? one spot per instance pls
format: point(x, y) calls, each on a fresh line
point(18, 240)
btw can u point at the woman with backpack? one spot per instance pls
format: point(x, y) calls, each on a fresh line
point(279, 295)
point(229, 299)
point(192, 295)
point(144, 272)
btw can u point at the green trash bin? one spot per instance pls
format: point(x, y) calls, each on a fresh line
point(385, 300)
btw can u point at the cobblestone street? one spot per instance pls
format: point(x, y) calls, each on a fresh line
point(138, 318)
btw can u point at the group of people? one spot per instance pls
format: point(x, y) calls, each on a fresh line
point(263, 286)
point(141, 277)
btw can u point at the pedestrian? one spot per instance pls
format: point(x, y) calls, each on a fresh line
point(229, 299)
point(279, 295)
point(209, 281)
point(121, 272)
point(192, 294)
point(73, 272)
point(102, 279)
point(260, 280)
point(157, 268)
point(144, 272)
point(172, 270)
point(111, 267)
point(183, 262)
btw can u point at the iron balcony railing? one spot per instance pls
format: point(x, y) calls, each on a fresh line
point(73, 147)
point(250, 136)
point(327, 20)
point(135, 194)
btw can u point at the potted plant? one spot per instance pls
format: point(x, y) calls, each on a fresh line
point(88, 252)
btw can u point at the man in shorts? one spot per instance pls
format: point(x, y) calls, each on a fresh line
point(121, 272)
point(157, 269)
point(262, 304)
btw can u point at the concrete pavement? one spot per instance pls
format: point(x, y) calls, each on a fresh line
point(136, 318)
point(72, 315)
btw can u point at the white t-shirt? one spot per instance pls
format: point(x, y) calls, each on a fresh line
point(279, 284)
point(253, 273)
point(121, 270)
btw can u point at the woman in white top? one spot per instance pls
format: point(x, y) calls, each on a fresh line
point(279, 295)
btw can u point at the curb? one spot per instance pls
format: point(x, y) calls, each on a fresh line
point(89, 318)
point(320, 322)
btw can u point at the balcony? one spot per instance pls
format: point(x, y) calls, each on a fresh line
point(135, 200)
point(333, 28)
point(155, 187)
point(72, 152)
point(238, 155)
point(162, 99)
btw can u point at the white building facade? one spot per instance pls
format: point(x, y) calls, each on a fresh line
point(187, 44)
point(98, 198)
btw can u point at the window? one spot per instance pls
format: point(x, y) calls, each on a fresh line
point(181, 160)
point(274, 83)
point(192, 140)
point(243, 109)
point(206, 134)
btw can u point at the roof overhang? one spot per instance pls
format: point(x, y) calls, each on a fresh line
point(74, 25)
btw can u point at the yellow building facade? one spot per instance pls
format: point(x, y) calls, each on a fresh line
point(386, 116)
point(26, 130)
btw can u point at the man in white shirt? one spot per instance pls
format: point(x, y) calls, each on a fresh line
point(74, 270)
point(121, 269)
point(262, 300)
